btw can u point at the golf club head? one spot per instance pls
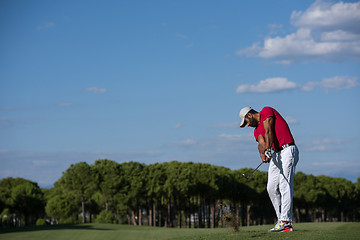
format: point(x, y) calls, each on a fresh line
point(252, 172)
point(243, 174)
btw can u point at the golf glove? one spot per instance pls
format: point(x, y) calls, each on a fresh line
point(268, 153)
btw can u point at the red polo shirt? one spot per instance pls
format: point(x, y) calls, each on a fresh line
point(282, 134)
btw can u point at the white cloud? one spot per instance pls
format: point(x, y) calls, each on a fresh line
point(339, 82)
point(328, 163)
point(190, 141)
point(326, 31)
point(325, 145)
point(176, 126)
point(319, 148)
point(339, 35)
point(184, 143)
point(336, 83)
point(95, 90)
point(291, 120)
point(275, 28)
point(267, 85)
point(46, 26)
point(235, 137)
point(329, 16)
point(281, 84)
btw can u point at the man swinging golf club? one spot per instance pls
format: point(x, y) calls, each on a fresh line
point(272, 131)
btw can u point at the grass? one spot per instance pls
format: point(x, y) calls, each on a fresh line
point(302, 231)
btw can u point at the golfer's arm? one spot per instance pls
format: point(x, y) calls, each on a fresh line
point(269, 126)
point(261, 147)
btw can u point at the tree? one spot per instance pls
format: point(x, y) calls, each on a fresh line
point(342, 194)
point(155, 192)
point(61, 206)
point(308, 195)
point(28, 200)
point(135, 191)
point(357, 200)
point(175, 194)
point(250, 193)
point(79, 181)
point(109, 179)
point(261, 204)
point(22, 197)
point(61, 209)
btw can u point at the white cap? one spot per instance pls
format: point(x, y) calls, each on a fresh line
point(242, 115)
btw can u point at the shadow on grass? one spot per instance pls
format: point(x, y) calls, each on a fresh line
point(258, 235)
point(52, 227)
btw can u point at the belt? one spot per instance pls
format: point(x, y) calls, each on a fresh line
point(279, 149)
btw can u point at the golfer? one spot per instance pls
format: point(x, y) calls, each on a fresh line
point(272, 133)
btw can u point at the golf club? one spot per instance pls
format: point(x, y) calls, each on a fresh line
point(253, 171)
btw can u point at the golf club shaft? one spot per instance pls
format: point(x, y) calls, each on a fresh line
point(255, 169)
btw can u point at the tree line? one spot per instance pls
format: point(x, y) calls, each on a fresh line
point(170, 194)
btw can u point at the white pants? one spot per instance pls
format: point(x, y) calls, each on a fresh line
point(281, 180)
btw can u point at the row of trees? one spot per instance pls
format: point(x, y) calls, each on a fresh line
point(171, 194)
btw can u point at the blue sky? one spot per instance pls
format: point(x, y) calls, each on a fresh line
point(156, 81)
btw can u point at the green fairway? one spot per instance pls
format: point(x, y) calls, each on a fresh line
point(302, 231)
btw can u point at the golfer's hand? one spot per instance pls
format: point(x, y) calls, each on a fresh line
point(265, 159)
point(268, 155)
